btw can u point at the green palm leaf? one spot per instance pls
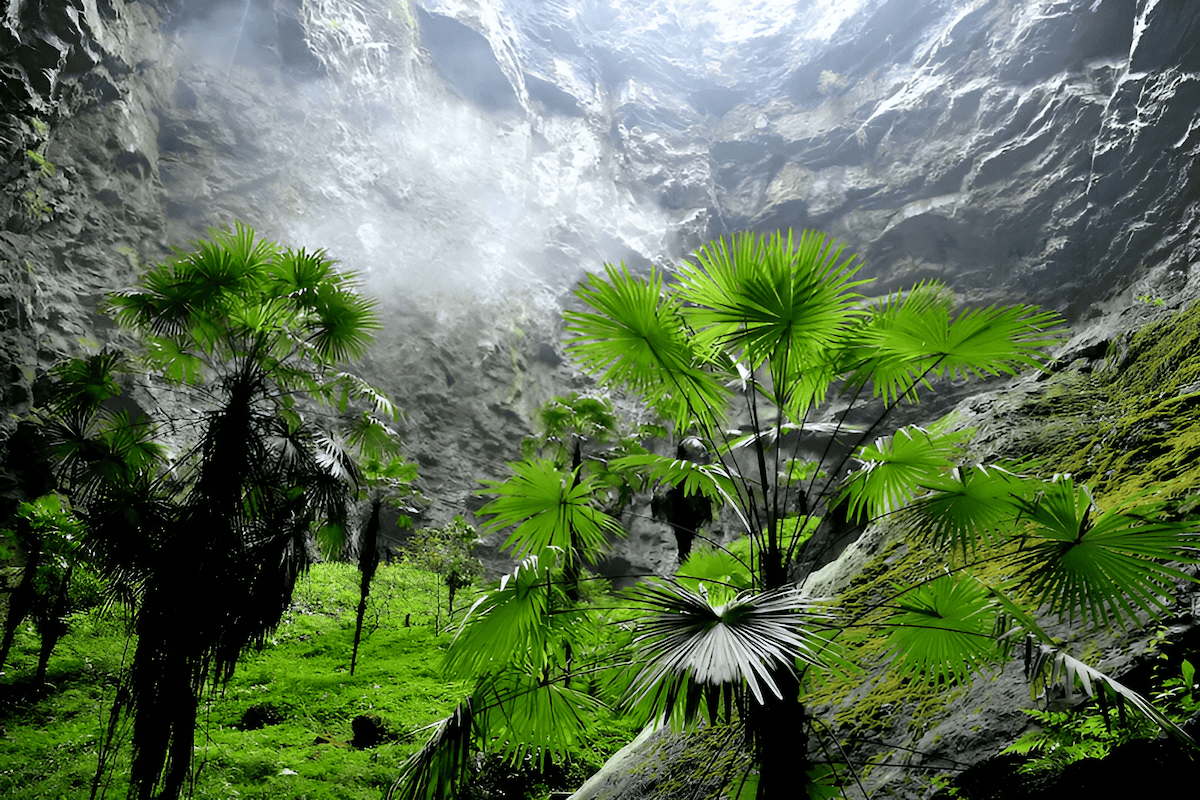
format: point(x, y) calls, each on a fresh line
point(896, 468)
point(179, 296)
point(711, 480)
point(968, 505)
point(895, 371)
point(551, 508)
point(517, 614)
point(717, 568)
point(944, 629)
point(82, 384)
point(912, 338)
point(342, 323)
point(299, 274)
point(439, 769)
point(691, 649)
point(1104, 566)
point(352, 386)
point(634, 337)
point(534, 715)
point(771, 298)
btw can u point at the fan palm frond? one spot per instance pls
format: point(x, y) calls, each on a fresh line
point(550, 507)
point(1105, 566)
point(771, 298)
point(634, 337)
point(912, 337)
point(82, 384)
point(342, 324)
point(711, 480)
point(439, 769)
point(352, 386)
point(691, 649)
point(893, 372)
point(969, 505)
point(516, 613)
point(712, 566)
point(944, 629)
point(896, 468)
point(534, 715)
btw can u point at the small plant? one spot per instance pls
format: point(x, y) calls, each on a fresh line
point(1066, 736)
point(35, 204)
point(831, 82)
point(50, 537)
point(1152, 300)
point(449, 553)
point(45, 166)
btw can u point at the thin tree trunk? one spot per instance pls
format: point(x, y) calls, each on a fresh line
point(53, 625)
point(368, 562)
point(571, 569)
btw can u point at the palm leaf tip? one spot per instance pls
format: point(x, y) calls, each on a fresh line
point(439, 769)
point(1047, 667)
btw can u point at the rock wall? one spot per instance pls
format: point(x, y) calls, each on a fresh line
point(473, 157)
point(1020, 150)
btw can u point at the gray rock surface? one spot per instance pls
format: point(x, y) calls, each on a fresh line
point(474, 157)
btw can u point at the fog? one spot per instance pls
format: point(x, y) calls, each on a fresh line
point(475, 178)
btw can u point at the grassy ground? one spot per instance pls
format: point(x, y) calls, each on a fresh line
point(298, 686)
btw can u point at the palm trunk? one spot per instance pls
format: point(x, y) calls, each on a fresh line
point(571, 569)
point(24, 597)
point(162, 693)
point(53, 625)
point(779, 728)
point(368, 562)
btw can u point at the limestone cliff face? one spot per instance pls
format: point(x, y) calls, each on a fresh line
point(1036, 150)
point(474, 157)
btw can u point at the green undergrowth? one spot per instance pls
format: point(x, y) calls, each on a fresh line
point(282, 728)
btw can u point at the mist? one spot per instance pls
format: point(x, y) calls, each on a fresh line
point(426, 188)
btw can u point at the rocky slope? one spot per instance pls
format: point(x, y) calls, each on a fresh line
point(473, 157)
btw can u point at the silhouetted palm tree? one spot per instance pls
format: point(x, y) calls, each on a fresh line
point(210, 535)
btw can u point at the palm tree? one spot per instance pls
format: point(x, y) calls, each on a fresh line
point(211, 537)
point(746, 350)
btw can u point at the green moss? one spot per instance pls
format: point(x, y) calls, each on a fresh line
point(1133, 426)
point(708, 763)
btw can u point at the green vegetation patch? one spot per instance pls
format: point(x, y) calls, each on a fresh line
point(283, 728)
point(1134, 425)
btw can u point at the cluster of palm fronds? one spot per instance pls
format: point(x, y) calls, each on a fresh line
point(767, 333)
point(203, 513)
